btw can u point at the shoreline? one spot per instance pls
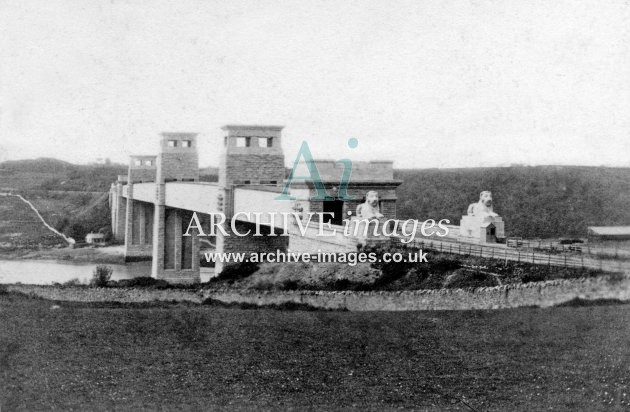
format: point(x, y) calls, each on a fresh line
point(96, 255)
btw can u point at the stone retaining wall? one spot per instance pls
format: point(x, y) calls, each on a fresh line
point(543, 294)
point(126, 295)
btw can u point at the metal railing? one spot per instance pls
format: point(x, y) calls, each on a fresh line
point(535, 251)
point(533, 257)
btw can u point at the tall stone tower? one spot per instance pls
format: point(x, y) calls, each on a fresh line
point(251, 155)
point(175, 257)
point(178, 159)
point(139, 215)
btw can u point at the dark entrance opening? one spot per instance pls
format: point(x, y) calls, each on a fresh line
point(491, 233)
point(335, 207)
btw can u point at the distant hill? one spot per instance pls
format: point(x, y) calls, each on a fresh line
point(73, 198)
point(53, 174)
point(70, 197)
point(537, 201)
point(41, 165)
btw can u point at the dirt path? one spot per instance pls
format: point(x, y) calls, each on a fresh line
point(49, 227)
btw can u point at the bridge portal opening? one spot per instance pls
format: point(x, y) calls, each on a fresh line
point(178, 249)
point(142, 223)
point(335, 207)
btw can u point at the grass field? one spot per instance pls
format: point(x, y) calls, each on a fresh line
point(166, 357)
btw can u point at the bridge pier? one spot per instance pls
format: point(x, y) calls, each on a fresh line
point(175, 256)
point(251, 176)
point(233, 243)
point(139, 229)
point(138, 221)
point(118, 206)
point(251, 155)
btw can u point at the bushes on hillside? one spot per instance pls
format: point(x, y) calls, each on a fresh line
point(390, 271)
point(142, 282)
point(441, 270)
point(536, 202)
point(238, 271)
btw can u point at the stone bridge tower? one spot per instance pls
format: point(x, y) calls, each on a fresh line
point(252, 156)
point(175, 257)
point(139, 215)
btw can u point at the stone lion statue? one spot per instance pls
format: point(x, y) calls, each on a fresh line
point(483, 207)
point(369, 209)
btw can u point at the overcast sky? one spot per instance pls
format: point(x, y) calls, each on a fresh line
point(425, 83)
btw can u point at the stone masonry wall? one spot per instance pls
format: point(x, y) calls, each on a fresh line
point(253, 244)
point(178, 166)
point(142, 175)
point(247, 244)
point(387, 198)
point(252, 167)
point(542, 294)
point(179, 162)
point(141, 169)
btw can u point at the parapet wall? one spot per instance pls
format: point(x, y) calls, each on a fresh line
point(251, 169)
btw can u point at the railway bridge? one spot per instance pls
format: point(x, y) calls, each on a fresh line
point(152, 206)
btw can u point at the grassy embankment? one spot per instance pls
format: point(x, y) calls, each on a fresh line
point(442, 270)
point(102, 356)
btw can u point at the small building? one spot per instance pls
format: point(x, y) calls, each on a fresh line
point(95, 239)
point(596, 233)
point(481, 229)
point(481, 224)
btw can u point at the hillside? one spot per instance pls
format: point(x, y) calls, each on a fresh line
point(52, 174)
point(21, 228)
point(540, 201)
point(72, 198)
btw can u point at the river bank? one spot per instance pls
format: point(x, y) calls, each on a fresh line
point(107, 254)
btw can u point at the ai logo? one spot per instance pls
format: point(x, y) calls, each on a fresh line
point(305, 152)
